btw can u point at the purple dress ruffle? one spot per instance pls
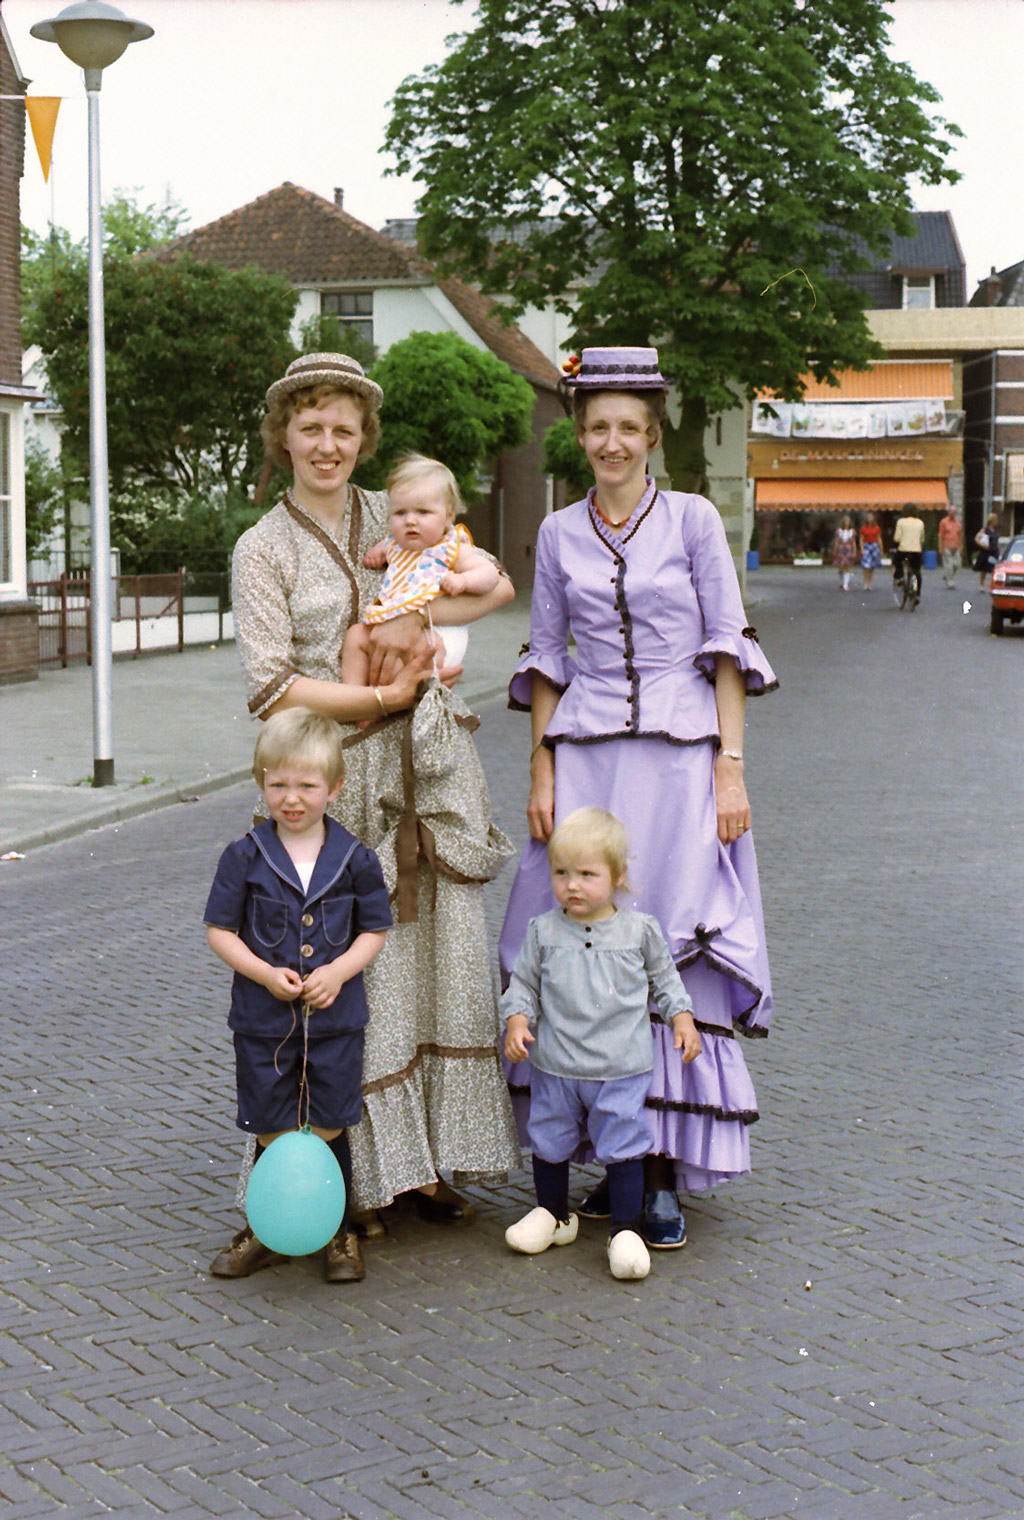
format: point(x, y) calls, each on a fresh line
point(636, 731)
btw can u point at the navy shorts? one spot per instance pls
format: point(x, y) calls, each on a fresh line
point(268, 1099)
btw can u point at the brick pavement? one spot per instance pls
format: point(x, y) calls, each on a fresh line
point(460, 1381)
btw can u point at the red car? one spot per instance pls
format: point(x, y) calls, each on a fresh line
point(1007, 586)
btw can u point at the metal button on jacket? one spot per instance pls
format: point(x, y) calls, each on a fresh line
point(307, 951)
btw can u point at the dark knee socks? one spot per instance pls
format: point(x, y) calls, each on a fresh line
point(343, 1156)
point(551, 1182)
point(626, 1193)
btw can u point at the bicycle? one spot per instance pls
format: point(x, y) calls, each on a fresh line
point(906, 586)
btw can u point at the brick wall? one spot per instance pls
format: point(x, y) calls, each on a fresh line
point(12, 153)
point(19, 642)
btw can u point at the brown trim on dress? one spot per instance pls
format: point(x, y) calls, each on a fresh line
point(355, 526)
point(287, 674)
point(449, 1052)
point(320, 533)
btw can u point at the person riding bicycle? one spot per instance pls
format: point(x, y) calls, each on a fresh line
point(907, 550)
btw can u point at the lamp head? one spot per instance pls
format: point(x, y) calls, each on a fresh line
point(91, 33)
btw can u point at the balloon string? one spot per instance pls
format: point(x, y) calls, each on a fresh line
point(303, 1084)
point(287, 1037)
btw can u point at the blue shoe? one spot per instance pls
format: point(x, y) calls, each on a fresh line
point(597, 1204)
point(663, 1226)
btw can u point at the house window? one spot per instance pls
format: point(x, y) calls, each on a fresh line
point(353, 308)
point(918, 292)
point(6, 502)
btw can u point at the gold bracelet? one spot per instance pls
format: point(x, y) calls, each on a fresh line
point(380, 699)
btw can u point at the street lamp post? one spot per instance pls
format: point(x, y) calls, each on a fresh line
point(94, 35)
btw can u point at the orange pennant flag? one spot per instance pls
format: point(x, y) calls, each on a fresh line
point(42, 115)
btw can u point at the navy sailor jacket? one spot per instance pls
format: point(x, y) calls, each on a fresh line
point(257, 893)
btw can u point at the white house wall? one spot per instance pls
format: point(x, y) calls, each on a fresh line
point(399, 311)
point(549, 330)
point(307, 308)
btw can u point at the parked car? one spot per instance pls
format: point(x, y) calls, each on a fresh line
point(1007, 586)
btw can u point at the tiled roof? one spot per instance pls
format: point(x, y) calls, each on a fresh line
point(1008, 288)
point(308, 239)
point(935, 249)
point(508, 343)
point(313, 242)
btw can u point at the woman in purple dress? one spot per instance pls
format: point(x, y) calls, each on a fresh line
point(647, 721)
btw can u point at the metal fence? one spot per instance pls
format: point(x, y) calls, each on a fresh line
point(145, 600)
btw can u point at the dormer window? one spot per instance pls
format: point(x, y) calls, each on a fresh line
point(353, 308)
point(918, 292)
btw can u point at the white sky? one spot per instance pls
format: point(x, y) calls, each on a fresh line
point(230, 98)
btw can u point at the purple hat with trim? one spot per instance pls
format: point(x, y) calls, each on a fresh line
point(618, 369)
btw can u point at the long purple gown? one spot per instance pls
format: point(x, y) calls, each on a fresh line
point(636, 732)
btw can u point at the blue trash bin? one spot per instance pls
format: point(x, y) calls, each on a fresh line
point(931, 559)
point(753, 559)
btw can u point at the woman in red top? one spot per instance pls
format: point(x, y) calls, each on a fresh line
point(870, 548)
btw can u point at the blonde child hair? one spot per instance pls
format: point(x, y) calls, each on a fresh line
point(303, 737)
point(414, 467)
point(592, 828)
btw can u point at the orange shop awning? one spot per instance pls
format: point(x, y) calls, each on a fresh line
point(889, 380)
point(846, 495)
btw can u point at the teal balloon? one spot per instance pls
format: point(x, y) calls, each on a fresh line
point(295, 1200)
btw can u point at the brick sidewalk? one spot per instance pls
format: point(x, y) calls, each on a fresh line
point(460, 1381)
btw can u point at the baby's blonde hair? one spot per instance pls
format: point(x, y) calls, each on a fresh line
point(300, 736)
point(592, 828)
point(413, 467)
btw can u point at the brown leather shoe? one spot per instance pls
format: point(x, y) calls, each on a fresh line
point(244, 1256)
point(343, 1260)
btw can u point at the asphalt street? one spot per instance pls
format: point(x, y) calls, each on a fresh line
point(838, 1340)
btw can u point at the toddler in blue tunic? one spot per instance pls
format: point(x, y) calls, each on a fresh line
point(298, 909)
point(579, 995)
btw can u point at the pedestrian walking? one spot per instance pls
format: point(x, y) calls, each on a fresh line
point(844, 550)
point(579, 996)
point(986, 541)
point(870, 548)
point(951, 538)
point(298, 910)
point(647, 722)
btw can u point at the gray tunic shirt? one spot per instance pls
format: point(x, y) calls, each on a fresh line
point(585, 989)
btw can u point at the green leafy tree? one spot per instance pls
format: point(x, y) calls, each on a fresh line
point(451, 401)
point(191, 349)
point(681, 172)
point(45, 496)
point(565, 460)
point(159, 531)
point(128, 229)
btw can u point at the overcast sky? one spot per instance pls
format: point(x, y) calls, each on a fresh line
point(230, 98)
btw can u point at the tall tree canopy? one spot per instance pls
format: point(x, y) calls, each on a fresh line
point(688, 173)
point(128, 229)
